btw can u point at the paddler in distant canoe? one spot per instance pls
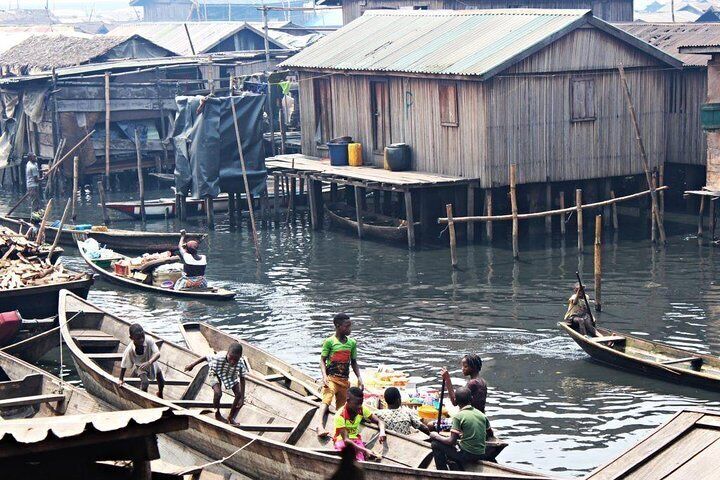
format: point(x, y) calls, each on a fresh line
point(471, 364)
point(193, 277)
point(578, 316)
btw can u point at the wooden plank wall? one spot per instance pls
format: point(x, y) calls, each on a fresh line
point(687, 90)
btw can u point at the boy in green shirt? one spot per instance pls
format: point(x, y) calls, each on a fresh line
point(347, 425)
point(339, 353)
point(466, 443)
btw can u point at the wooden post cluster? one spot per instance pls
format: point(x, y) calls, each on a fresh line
point(514, 210)
point(598, 262)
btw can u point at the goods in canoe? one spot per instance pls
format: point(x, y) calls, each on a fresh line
point(204, 339)
point(374, 225)
point(137, 274)
point(274, 435)
point(650, 358)
point(17, 245)
point(29, 394)
point(128, 241)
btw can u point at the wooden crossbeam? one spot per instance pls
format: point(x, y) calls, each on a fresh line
point(31, 400)
point(608, 339)
point(168, 381)
point(682, 360)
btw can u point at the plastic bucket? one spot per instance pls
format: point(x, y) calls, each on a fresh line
point(397, 157)
point(338, 153)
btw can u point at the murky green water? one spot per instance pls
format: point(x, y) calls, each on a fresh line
point(561, 413)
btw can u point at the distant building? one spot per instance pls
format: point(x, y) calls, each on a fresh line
point(472, 92)
point(608, 10)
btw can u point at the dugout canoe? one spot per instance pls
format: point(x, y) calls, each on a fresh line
point(128, 241)
point(650, 358)
point(374, 225)
point(28, 392)
point(274, 438)
point(204, 339)
point(42, 301)
point(109, 275)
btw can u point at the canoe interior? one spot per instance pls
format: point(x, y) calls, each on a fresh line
point(97, 339)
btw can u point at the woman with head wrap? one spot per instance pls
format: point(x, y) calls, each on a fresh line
point(193, 265)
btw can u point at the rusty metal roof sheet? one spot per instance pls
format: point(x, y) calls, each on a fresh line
point(446, 42)
point(670, 36)
point(35, 430)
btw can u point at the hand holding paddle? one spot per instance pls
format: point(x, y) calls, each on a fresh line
point(587, 304)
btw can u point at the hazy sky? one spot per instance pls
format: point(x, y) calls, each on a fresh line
point(67, 4)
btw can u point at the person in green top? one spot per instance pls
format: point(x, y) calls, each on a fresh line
point(466, 443)
point(339, 353)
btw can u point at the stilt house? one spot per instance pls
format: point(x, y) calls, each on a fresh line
point(472, 92)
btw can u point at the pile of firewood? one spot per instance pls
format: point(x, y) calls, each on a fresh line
point(13, 245)
point(22, 272)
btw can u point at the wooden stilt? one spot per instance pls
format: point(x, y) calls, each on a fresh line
point(210, 212)
point(313, 204)
point(561, 199)
point(514, 210)
point(711, 219)
point(453, 240)
point(107, 126)
point(358, 211)
point(598, 262)
point(333, 191)
point(653, 216)
point(141, 182)
point(470, 212)
point(291, 198)
point(661, 182)
point(488, 212)
point(76, 179)
point(264, 203)
point(607, 217)
point(232, 208)
point(700, 216)
point(101, 191)
point(409, 218)
point(615, 222)
point(276, 196)
point(579, 213)
point(548, 206)
point(387, 202)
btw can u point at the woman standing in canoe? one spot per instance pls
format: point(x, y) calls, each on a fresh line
point(471, 365)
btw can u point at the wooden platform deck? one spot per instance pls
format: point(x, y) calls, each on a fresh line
point(365, 176)
point(686, 447)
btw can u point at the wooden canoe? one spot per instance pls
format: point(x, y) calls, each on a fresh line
point(650, 358)
point(109, 275)
point(205, 339)
point(374, 225)
point(41, 301)
point(275, 437)
point(34, 339)
point(129, 241)
point(27, 392)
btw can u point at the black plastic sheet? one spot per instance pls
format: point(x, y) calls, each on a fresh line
point(207, 160)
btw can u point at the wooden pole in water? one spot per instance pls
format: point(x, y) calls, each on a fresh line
point(561, 198)
point(40, 238)
point(248, 192)
point(453, 239)
point(101, 191)
point(141, 182)
point(711, 219)
point(661, 182)
point(358, 211)
point(312, 200)
point(548, 206)
point(76, 176)
point(276, 196)
point(107, 128)
point(653, 216)
point(643, 155)
point(579, 213)
point(231, 207)
point(488, 212)
point(470, 212)
point(598, 262)
point(615, 222)
point(409, 218)
point(210, 212)
point(514, 210)
point(700, 216)
point(63, 219)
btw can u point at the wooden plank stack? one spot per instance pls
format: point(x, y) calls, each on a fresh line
point(16, 244)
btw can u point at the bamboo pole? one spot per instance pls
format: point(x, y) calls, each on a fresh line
point(578, 208)
point(489, 212)
point(107, 127)
point(101, 191)
point(76, 181)
point(615, 222)
point(453, 239)
point(67, 155)
point(513, 206)
point(598, 262)
point(248, 193)
point(561, 198)
point(40, 238)
point(63, 219)
point(141, 182)
point(643, 155)
point(700, 216)
point(527, 216)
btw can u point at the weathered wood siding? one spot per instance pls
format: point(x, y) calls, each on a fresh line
point(685, 94)
point(609, 10)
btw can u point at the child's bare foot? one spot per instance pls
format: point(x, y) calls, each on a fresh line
point(219, 417)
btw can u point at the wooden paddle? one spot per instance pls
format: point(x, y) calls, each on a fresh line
point(442, 398)
point(587, 304)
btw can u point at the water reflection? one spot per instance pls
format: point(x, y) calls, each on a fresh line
point(561, 413)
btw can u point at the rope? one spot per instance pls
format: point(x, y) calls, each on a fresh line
point(228, 457)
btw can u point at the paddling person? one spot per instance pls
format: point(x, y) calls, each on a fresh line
point(471, 364)
point(577, 315)
point(398, 417)
point(141, 355)
point(193, 265)
point(347, 425)
point(466, 443)
point(229, 372)
point(32, 181)
point(339, 353)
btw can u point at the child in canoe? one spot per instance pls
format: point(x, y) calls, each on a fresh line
point(141, 354)
point(347, 424)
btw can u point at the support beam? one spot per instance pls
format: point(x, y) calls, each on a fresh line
point(615, 222)
point(101, 191)
point(313, 203)
point(76, 179)
point(548, 206)
point(514, 210)
point(409, 218)
point(561, 199)
point(210, 212)
point(489, 213)
point(470, 212)
point(358, 211)
point(700, 216)
point(453, 240)
point(141, 182)
point(276, 196)
point(598, 262)
point(579, 213)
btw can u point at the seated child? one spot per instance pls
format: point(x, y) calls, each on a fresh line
point(141, 355)
point(398, 417)
point(347, 424)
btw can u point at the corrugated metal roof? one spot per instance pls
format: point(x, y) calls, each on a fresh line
point(204, 35)
point(670, 36)
point(442, 42)
point(35, 430)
